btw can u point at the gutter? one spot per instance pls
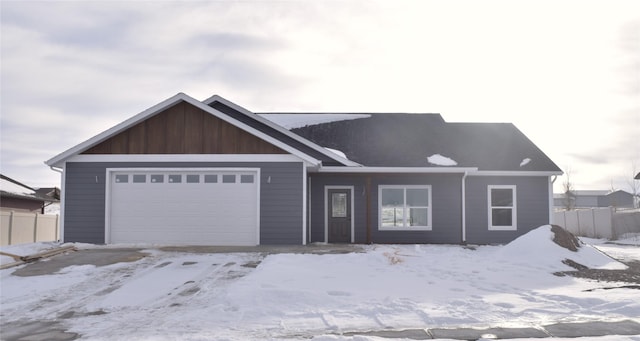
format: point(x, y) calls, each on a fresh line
point(56, 169)
point(422, 170)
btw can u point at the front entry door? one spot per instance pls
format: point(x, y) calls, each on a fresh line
point(339, 215)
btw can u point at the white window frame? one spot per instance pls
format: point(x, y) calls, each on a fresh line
point(405, 226)
point(513, 207)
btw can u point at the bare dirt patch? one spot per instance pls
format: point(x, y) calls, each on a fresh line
point(567, 240)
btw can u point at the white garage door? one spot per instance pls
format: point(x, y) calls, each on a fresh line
point(184, 207)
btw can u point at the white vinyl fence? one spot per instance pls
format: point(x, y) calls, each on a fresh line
point(27, 227)
point(603, 222)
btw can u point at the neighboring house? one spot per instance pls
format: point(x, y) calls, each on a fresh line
point(589, 199)
point(212, 172)
point(16, 196)
point(52, 192)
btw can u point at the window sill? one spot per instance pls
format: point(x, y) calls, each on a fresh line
point(503, 228)
point(415, 228)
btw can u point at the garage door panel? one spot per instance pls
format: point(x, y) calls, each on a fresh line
point(185, 213)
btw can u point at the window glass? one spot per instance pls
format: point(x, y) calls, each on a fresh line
point(392, 197)
point(122, 178)
point(338, 205)
point(175, 178)
point(210, 178)
point(502, 208)
point(228, 178)
point(193, 178)
point(405, 207)
point(157, 178)
point(392, 217)
point(501, 197)
point(417, 197)
point(501, 217)
point(139, 178)
point(246, 179)
point(418, 216)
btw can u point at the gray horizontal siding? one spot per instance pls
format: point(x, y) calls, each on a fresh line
point(532, 207)
point(281, 198)
point(446, 207)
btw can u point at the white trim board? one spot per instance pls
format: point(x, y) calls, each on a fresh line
point(326, 210)
point(186, 158)
point(470, 171)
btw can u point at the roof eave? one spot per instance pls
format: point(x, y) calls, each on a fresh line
point(58, 160)
point(316, 147)
point(472, 171)
point(365, 169)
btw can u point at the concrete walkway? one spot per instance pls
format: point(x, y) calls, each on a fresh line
point(565, 330)
point(53, 331)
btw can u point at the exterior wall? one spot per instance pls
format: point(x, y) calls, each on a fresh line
point(281, 202)
point(532, 207)
point(446, 207)
point(618, 199)
point(587, 201)
point(26, 205)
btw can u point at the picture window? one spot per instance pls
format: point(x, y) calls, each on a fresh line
point(404, 207)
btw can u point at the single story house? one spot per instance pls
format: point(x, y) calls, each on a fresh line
point(215, 173)
point(593, 198)
point(16, 196)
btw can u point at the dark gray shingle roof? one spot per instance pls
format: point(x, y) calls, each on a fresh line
point(407, 140)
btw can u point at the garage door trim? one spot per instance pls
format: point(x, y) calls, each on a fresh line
point(108, 183)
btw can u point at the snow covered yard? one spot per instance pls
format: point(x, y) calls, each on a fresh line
point(238, 296)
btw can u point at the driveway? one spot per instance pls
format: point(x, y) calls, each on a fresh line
point(416, 292)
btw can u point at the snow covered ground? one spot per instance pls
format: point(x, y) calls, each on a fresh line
point(189, 296)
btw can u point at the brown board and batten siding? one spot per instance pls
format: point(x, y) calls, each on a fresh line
point(184, 129)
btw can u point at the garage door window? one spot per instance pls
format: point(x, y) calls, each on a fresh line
point(246, 179)
point(186, 178)
point(157, 178)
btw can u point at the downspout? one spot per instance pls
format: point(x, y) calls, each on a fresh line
point(304, 204)
point(464, 208)
point(60, 225)
point(552, 180)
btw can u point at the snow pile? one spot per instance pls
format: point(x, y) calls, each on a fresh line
point(292, 121)
point(337, 152)
point(439, 160)
point(525, 162)
point(538, 247)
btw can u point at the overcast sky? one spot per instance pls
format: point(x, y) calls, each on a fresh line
point(566, 73)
